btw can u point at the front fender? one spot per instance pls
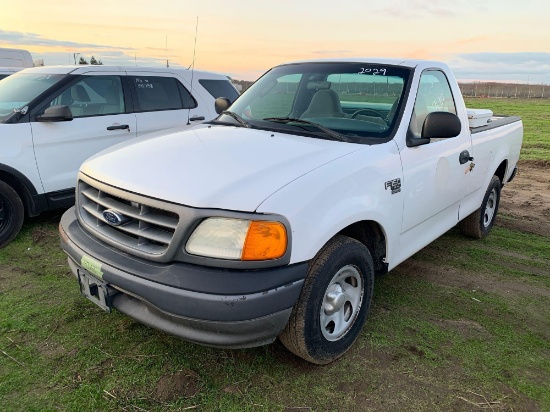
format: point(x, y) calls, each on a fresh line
point(351, 189)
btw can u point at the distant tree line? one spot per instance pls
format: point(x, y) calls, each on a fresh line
point(93, 61)
point(505, 90)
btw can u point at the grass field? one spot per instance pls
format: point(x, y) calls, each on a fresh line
point(535, 114)
point(462, 325)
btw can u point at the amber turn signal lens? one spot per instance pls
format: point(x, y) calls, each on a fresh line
point(264, 241)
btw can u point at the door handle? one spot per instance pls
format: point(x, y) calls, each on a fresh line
point(119, 127)
point(465, 157)
point(196, 118)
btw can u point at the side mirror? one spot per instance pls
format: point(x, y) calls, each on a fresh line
point(59, 113)
point(440, 125)
point(221, 104)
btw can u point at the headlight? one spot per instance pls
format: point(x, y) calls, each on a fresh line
point(238, 239)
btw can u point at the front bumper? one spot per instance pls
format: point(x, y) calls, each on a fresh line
point(210, 306)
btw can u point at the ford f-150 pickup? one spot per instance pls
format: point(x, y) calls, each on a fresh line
point(273, 219)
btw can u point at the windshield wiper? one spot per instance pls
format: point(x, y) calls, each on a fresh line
point(237, 118)
point(335, 135)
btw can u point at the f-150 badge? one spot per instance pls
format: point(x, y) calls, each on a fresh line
point(394, 185)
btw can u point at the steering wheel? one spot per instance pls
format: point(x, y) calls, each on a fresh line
point(368, 112)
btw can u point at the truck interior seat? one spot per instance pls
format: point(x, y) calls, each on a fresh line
point(325, 103)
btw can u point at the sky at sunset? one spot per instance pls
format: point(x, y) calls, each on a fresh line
point(480, 40)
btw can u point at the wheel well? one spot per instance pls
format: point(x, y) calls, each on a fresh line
point(501, 171)
point(372, 236)
point(19, 187)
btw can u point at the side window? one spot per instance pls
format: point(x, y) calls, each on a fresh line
point(93, 96)
point(434, 95)
point(161, 93)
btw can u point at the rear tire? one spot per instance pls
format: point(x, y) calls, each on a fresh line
point(333, 304)
point(479, 224)
point(12, 214)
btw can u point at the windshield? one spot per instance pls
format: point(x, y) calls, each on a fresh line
point(357, 100)
point(17, 90)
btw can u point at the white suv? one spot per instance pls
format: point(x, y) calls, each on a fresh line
point(53, 118)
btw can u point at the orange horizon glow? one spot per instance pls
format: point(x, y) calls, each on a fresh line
point(245, 39)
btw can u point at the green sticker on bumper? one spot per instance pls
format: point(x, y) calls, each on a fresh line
point(92, 266)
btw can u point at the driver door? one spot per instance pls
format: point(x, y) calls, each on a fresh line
point(434, 179)
point(100, 119)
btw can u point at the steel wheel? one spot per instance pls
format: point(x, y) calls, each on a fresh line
point(479, 223)
point(334, 302)
point(341, 303)
point(490, 208)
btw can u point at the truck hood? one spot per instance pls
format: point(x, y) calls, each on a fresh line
point(222, 167)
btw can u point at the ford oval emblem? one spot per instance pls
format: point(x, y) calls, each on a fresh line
point(114, 217)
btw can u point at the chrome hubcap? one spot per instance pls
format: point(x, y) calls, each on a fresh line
point(341, 303)
point(490, 208)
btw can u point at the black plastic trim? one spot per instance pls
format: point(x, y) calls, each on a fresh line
point(19, 176)
point(514, 173)
point(225, 334)
point(61, 199)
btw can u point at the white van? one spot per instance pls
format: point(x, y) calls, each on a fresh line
point(13, 60)
point(53, 118)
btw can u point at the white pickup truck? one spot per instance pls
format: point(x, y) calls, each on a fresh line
point(273, 219)
point(53, 118)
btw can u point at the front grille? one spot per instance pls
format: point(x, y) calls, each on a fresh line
point(146, 228)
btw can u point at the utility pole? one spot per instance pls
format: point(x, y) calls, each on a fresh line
point(74, 56)
point(167, 51)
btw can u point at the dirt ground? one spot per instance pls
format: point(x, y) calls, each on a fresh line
point(527, 200)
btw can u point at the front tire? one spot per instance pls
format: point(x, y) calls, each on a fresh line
point(11, 214)
point(333, 304)
point(479, 224)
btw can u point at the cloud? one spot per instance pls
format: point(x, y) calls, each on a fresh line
point(522, 67)
point(33, 39)
point(331, 52)
point(416, 9)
